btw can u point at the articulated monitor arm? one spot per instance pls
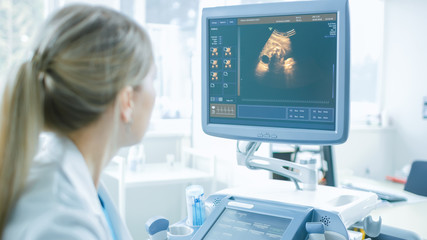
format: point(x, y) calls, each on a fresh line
point(306, 174)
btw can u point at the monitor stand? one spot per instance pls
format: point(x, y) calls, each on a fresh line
point(299, 173)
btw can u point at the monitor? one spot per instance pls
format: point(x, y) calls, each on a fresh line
point(277, 72)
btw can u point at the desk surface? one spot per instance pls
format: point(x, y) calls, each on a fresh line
point(410, 215)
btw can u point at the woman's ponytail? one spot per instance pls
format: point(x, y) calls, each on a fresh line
point(20, 124)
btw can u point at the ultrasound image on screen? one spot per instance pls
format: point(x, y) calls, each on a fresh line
point(281, 71)
point(287, 62)
point(274, 60)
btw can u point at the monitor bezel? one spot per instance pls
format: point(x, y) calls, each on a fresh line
point(275, 134)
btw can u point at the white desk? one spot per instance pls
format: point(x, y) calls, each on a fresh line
point(410, 215)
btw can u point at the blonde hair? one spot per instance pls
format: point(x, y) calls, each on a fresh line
point(83, 57)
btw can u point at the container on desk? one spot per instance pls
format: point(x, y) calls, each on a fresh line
point(195, 205)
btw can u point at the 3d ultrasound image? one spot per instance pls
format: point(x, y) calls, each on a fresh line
point(276, 65)
point(274, 57)
point(286, 62)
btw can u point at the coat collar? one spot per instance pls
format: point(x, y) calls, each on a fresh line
point(74, 168)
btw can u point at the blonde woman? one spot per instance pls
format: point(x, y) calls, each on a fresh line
point(88, 83)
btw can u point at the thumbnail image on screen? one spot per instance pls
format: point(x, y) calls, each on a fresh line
point(273, 71)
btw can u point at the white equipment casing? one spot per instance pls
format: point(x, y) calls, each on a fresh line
point(351, 205)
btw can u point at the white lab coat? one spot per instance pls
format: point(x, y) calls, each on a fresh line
point(60, 200)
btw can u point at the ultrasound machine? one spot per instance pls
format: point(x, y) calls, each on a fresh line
point(278, 72)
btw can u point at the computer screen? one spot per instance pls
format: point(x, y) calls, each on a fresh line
point(238, 224)
point(277, 72)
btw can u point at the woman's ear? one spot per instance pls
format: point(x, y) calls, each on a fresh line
point(126, 104)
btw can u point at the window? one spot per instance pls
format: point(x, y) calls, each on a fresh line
point(367, 27)
point(172, 26)
point(18, 20)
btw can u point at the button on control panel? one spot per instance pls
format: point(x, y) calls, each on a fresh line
point(267, 135)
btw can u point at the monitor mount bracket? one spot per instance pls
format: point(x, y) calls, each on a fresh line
point(298, 173)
